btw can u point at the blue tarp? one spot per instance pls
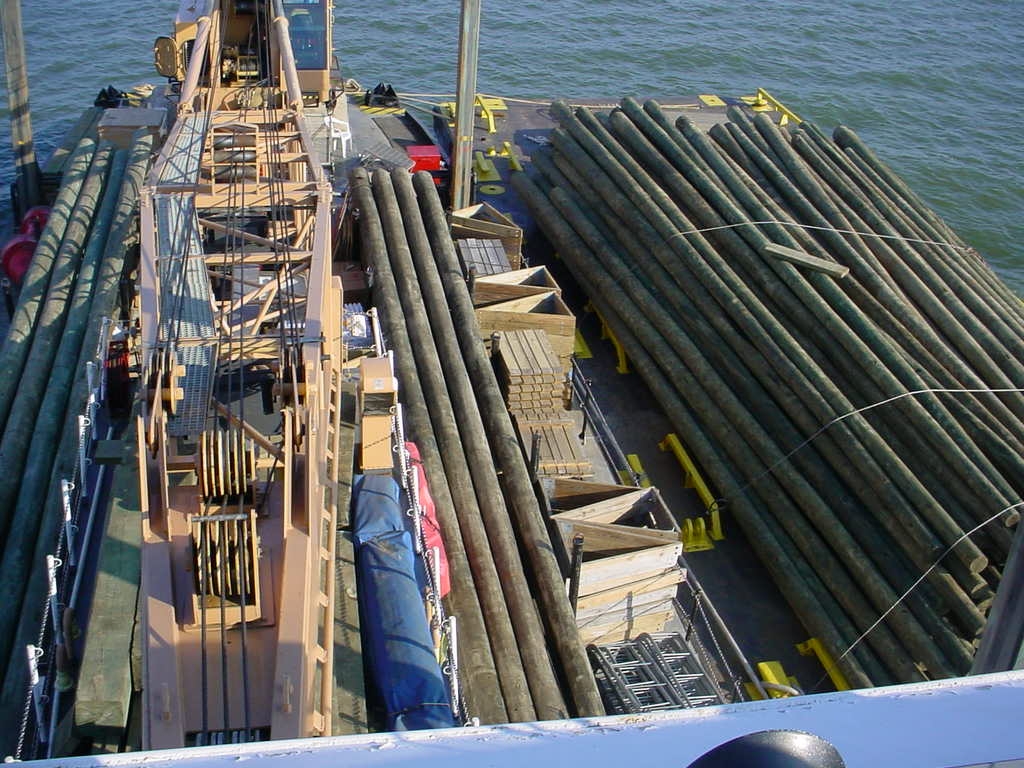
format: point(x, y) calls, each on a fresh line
point(396, 635)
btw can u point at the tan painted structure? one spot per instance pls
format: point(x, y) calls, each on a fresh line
point(238, 516)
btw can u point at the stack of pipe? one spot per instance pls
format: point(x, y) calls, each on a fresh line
point(454, 412)
point(72, 284)
point(770, 369)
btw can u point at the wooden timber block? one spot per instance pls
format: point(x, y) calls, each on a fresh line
point(602, 503)
point(118, 125)
point(105, 674)
point(604, 592)
point(631, 604)
point(624, 567)
point(543, 311)
point(348, 714)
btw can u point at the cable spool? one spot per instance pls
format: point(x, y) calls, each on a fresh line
point(227, 463)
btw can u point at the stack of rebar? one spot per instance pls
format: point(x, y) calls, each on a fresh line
point(454, 411)
point(864, 428)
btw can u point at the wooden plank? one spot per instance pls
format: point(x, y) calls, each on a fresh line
point(105, 678)
point(807, 261)
point(530, 277)
point(658, 577)
point(609, 510)
point(348, 713)
point(623, 566)
point(654, 621)
point(608, 539)
point(566, 495)
point(632, 603)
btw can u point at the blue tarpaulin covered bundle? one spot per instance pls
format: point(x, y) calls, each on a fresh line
point(396, 635)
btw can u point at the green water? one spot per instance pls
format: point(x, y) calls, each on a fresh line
point(933, 87)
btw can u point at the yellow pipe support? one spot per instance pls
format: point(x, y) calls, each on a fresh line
point(814, 647)
point(606, 333)
point(637, 471)
point(692, 475)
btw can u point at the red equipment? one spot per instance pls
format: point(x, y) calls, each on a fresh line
point(34, 221)
point(16, 256)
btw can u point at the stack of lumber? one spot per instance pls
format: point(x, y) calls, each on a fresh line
point(529, 373)
point(631, 573)
point(845, 369)
point(531, 379)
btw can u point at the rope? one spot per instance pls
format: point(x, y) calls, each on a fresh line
point(931, 390)
point(837, 230)
point(920, 579)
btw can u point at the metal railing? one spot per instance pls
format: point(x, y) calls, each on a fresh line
point(80, 495)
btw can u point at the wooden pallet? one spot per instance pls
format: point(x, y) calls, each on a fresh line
point(560, 450)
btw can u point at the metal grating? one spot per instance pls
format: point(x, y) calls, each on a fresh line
point(182, 166)
point(186, 312)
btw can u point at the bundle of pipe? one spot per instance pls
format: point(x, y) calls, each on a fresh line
point(52, 449)
point(450, 407)
point(861, 426)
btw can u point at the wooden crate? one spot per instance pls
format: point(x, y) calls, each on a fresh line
point(560, 449)
point(487, 222)
point(543, 311)
point(119, 125)
point(517, 284)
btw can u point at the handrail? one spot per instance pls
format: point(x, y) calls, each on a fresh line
point(195, 64)
point(288, 69)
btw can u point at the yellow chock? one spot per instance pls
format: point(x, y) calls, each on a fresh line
point(622, 366)
point(485, 170)
point(763, 101)
point(711, 100)
point(695, 535)
point(813, 647)
point(712, 527)
point(513, 161)
point(772, 674)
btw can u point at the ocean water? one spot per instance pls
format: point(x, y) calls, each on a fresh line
point(933, 87)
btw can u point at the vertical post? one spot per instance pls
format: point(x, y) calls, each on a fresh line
point(69, 527)
point(83, 460)
point(575, 569)
point(34, 654)
point(465, 105)
point(52, 564)
point(28, 177)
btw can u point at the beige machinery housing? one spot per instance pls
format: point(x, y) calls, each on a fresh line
point(378, 396)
